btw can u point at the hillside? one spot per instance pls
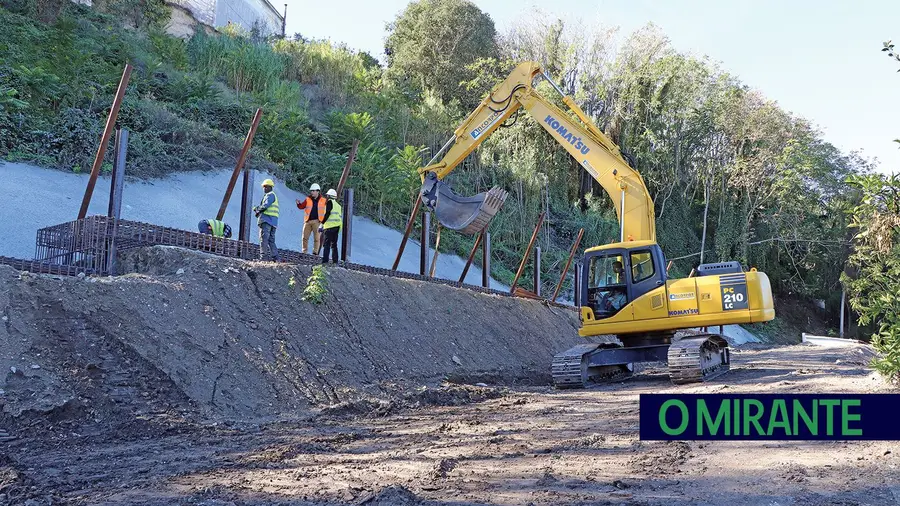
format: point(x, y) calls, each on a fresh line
point(731, 173)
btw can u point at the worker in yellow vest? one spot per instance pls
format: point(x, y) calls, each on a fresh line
point(215, 228)
point(267, 214)
point(331, 227)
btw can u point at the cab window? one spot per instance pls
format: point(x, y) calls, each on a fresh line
point(606, 285)
point(607, 271)
point(641, 266)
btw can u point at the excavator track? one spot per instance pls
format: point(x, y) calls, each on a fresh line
point(570, 370)
point(698, 358)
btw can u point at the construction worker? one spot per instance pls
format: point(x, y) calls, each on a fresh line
point(215, 228)
point(618, 272)
point(331, 227)
point(315, 206)
point(615, 298)
point(267, 214)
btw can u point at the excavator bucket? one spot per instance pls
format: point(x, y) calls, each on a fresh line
point(467, 215)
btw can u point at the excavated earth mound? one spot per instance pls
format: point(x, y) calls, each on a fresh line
point(184, 334)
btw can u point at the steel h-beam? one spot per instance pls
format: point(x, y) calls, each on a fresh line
point(537, 271)
point(577, 284)
point(248, 141)
point(347, 227)
point(486, 260)
point(104, 140)
point(115, 194)
point(118, 175)
point(537, 229)
point(246, 195)
point(425, 239)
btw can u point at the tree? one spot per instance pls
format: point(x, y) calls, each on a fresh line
point(432, 44)
point(889, 49)
point(873, 291)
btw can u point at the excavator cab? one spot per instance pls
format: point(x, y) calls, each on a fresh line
point(620, 273)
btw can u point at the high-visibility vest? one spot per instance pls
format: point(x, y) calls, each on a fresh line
point(216, 227)
point(309, 204)
point(273, 209)
point(334, 218)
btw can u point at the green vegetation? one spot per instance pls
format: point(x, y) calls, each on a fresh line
point(732, 174)
point(433, 44)
point(874, 285)
point(316, 286)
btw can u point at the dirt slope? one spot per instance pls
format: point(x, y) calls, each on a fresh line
point(233, 340)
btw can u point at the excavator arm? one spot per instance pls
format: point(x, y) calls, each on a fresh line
point(580, 137)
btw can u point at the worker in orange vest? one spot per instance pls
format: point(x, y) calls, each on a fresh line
point(315, 207)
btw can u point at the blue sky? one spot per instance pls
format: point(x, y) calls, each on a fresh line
point(818, 59)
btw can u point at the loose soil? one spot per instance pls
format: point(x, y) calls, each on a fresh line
point(199, 380)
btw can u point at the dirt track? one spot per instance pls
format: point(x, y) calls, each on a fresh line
point(527, 446)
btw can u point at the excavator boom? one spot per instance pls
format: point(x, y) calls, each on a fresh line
point(581, 138)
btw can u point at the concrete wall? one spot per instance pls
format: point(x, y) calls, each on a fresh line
point(203, 11)
point(218, 13)
point(246, 12)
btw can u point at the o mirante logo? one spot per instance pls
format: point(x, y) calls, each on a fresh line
point(769, 416)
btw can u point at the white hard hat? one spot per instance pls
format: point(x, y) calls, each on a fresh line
point(314, 187)
point(331, 193)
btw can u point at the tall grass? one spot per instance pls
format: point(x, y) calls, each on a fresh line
point(338, 72)
point(245, 65)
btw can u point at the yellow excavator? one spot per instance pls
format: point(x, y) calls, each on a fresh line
point(624, 289)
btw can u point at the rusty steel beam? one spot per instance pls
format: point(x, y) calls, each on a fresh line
point(437, 244)
point(465, 271)
point(537, 229)
point(248, 141)
point(565, 271)
point(521, 292)
point(104, 140)
point(409, 227)
point(346, 173)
